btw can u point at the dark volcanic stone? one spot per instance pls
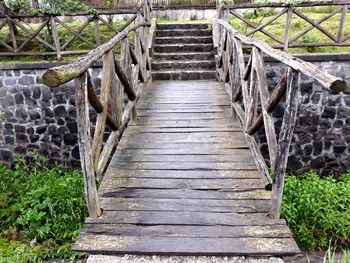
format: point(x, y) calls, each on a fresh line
point(6, 155)
point(329, 112)
point(26, 80)
point(19, 98)
point(41, 129)
point(60, 111)
point(70, 139)
point(20, 129)
point(36, 93)
point(34, 138)
point(294, 163)
point(34, 115)
point(9, 140)
point(317, 145)
point(72, 127)
point(46, 94)
point(318, 163)
point(75, 153)
point(22, 138)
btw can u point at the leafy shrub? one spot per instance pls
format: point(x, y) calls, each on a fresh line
point(318, 210)
point(17, 6)
point(41, 206)
point(311, 38)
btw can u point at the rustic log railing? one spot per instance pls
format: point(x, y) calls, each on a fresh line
point(48, 33)
point(292, 12)
point(254, 105)
point(129, 75)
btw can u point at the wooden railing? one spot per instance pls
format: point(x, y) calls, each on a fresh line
point(294, 14)
point(52, 36)
point(254, 105)
point(129, 75)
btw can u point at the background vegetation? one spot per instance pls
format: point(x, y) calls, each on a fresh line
point(318, 210)
point(41, 211)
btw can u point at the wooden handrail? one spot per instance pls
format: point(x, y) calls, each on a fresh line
point(128, 76)
point(329, 81)
point(57, 76)
point(293, 11)
point(247, 86)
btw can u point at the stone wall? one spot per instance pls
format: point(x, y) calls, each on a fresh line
point(321, 139)
point(35, 118)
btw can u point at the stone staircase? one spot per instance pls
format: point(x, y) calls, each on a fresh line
point(183, 51)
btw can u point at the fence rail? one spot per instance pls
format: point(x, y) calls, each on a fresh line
point(293, 14)
point(53, 36)
point(124, 77)
point(247, 85)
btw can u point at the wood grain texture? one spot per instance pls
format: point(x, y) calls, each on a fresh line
point(183, 181)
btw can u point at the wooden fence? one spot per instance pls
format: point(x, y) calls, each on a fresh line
point(127, 75)
point(251, 100)
point(294, 14)
point(51, 36)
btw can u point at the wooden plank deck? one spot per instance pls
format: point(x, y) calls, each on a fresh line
point(183, 182)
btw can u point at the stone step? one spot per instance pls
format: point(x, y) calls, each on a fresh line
point(183, 64)
point(168, 48)
point(183, 74)
point(183, 32)
point(168, 26)
point(184, 56)
point(184, 40)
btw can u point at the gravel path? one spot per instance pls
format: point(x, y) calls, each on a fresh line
point(177, 259)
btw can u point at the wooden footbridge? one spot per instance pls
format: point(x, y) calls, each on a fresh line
point(183, 173)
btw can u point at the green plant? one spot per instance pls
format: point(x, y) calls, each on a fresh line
point(330, 256)
point(17, 6)
point(56, 7)
point(40, 207)
point(318, 210)
point(310, 38)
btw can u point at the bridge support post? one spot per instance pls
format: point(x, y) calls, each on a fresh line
point(84, 137)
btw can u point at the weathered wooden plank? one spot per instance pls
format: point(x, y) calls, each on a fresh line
point(188, 205)
point(185, 145)
point(184, 166)
point(185, 218)
point(188, 231)
point(255, 194)
point(101, 244)
point(245, 157)
point(135, 129)
point(187, 137)
point(178, 174)
point(190, 150)
point(184, 123)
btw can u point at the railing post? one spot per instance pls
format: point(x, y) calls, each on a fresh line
point(55, 37)
point(284, 141)
point(287, 28)
point(84, 141)
point(97, 32)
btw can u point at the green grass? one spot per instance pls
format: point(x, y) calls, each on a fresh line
point(41, 211)
point(298, 25)
point(318, 210)
point(34, 46)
